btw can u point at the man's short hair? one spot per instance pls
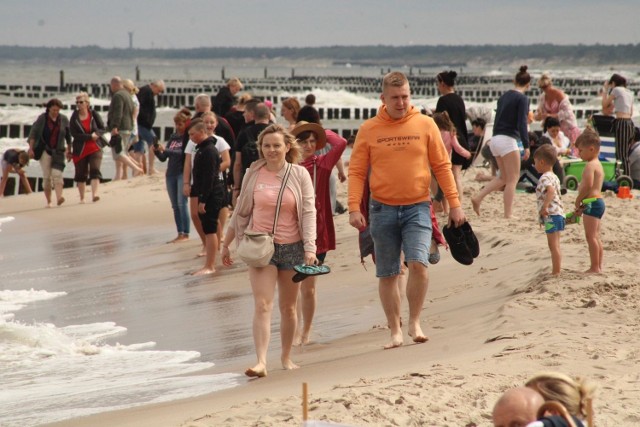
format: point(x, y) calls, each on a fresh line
point(251, 105)
point(261, 112)
point(159, 84)
point(310, 99)
point(394, 79)
point(546, 153)
point(588, 138)
point(116, 79)
point(203, 100)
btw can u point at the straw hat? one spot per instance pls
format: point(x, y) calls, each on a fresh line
point(321, 137)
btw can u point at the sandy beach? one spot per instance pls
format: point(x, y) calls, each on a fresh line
point(491, 325)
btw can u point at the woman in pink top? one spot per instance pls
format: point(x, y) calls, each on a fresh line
point(312, 137)
point(295, 237)
point(555, 103)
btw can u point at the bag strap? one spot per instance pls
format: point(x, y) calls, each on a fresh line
point(278, 203)
point(315, 170)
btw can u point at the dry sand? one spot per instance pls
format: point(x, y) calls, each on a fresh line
point(491, 326)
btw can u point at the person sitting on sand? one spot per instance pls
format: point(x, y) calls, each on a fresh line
point(208, 188)
point(576, 395)
point(589, 202)
point(15, 160)
point(295, 237)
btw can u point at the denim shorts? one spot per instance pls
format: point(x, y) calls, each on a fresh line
point(287, 255)
point(144, 135)
point(395, 228)
point(595, 208)
point(553, 224)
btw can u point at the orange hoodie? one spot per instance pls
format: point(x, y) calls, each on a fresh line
point(400, 154)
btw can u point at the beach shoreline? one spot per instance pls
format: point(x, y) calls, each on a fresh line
point(491, 325)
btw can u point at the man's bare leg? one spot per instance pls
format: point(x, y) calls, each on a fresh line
point(390, 299)
point(417, 285)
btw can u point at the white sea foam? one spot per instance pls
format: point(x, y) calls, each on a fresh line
point(51, 373)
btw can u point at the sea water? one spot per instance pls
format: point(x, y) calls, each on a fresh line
point(60, 355)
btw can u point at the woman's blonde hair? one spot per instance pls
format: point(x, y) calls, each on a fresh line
point(573, 394)
point(130, 86)
point(294, 154)
point(544, 81)
point(83, 96)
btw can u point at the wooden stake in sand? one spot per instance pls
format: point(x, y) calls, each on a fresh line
point(305, 402)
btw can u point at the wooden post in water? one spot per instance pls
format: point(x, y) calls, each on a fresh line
point(265, 72)
point(61, 80)
point(293, 73)
point(222, 73)
point(137, 73)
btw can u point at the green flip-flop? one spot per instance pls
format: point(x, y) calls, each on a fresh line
point(303, 271)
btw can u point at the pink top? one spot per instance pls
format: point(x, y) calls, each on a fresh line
point(265, 196)
point(451, 142)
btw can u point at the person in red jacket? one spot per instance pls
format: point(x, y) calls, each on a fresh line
point(397, 149)
point(312, 137)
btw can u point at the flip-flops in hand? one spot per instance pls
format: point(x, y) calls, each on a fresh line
point(303, 271)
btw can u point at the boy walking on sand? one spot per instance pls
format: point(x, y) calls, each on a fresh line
point(207, 186)
point(589, 202)
point(549, 203)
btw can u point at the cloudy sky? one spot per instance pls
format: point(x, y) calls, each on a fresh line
point(299, 23)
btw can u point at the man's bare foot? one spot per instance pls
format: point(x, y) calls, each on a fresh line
point(96, 198)
point(181, 238)
point(204, 271)
point(417, 334)
point(476, 205)
point(82, 201)
point(258, 371)
point(592, 271)
point(396, 341)
point(60, 201)
point(288, 364)
point(202, 253)
point(48, 205)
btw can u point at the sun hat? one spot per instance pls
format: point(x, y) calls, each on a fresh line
point(321, 137)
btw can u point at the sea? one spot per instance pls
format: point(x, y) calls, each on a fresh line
point(97, 320)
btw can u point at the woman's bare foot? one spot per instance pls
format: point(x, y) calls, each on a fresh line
point(476, 205)
point(258, 371)
point(396, 341)
point(204, 271)
point(60, 201)
point(181, 238)
point(288, 364)
point(202, 253)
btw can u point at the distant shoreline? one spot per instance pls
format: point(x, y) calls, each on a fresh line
point(415, 56)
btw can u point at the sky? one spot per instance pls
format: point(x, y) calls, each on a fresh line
point(302, 23)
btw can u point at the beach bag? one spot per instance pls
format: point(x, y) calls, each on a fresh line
point(256, 248)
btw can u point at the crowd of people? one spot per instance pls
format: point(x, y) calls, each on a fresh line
point(229, 160)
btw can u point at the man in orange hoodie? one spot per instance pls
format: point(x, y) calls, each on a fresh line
point(397, 149)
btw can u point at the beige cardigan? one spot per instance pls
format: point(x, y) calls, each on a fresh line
point(299, 183)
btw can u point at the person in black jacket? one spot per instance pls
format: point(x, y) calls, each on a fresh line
point(86, 127)
point(146, 119)
point(226, 96)
point(208, 188)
